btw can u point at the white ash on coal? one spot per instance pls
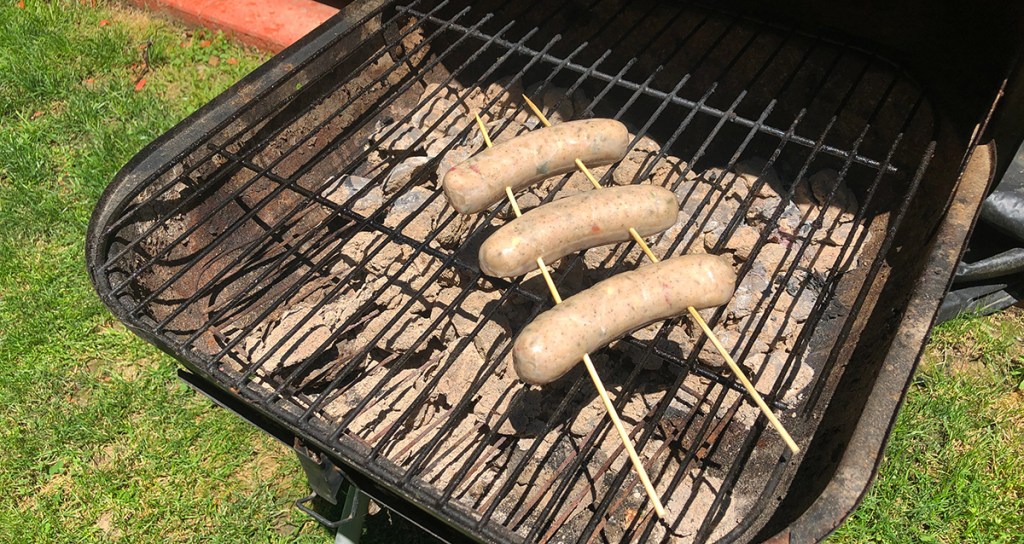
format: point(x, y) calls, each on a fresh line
point(422, 348)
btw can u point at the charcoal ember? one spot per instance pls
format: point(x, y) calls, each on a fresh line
point(776, 258)
point(353, 191)
point(733, 185)
point(707, 314)
point(760, 177)
point(791, 223)
point(438, 145)
point(772, 328)
point(474, 101)
point(672, 241)
point(465, 374)
point(507, 96)
point(494, 329)
point(799, 281)
point(408, 171)
point(635, 409)
point(403, 330)
point(742, 241)
point(524, 407)
point(694, 497)
point(423, 281)
point(559, 187)
point(304, 329)
point(637, 160)
point(375, 163)
point(499, 132)
point(392, 293)
point(730, 340)
point(588, 417)
point(374, 252)
point(399, 139)
point(835, 235)
point(453, 157)
point(452, 234)
point(600, 258)
point(379, 416)
point(674, 173)
point(440, 110)
point(823, 260)
point(798, 307)
point(743, 301)
point(647, 333)
point(680, 340)
point(420, 206)
point(470, 137)
point(644, 355)
point(580, 104)
point(762, 209)
point(803, 197)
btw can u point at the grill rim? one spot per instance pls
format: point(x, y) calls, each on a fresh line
point(869, 438)
point(175, 143)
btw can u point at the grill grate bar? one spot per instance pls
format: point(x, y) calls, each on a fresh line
point(742, 121)
point(438, 456)
point(641, 133)
point(876, 266)
point(621, 398)
point(313, 407)
point(425, 451)
point(552, 504)
point(132, 211)
point(747, 450)
point(460, 477)
point(769, 302)
point(604, 504)
point(338, 211)
point(254, 209)
point(333, 338)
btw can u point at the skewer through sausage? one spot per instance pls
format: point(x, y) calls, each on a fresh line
point(577, 222)
point(557, 339)
point(479, 182)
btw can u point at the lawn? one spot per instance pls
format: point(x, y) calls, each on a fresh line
point(102, 443)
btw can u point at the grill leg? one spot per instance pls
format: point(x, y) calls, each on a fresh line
point(353, 514)
point(330, 484)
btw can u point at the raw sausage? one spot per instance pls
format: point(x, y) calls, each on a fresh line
point(557, 339)
point(477, 183)
point(581, 221)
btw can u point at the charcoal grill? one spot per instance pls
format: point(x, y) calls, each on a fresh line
point(216, 228)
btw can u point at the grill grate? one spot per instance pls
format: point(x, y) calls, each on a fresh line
point(224, 239)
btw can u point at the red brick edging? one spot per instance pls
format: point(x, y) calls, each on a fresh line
point(268, 24)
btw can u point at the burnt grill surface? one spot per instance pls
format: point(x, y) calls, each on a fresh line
point(222, 239)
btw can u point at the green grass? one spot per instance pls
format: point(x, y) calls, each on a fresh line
point(101, 443)
point(954, 468)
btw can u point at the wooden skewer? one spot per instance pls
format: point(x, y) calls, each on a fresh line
point(638, 465)
point(693, 312)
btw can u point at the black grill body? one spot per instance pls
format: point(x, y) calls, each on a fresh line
point(217, 228)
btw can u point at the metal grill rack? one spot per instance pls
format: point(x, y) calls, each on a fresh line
point(232, 227)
